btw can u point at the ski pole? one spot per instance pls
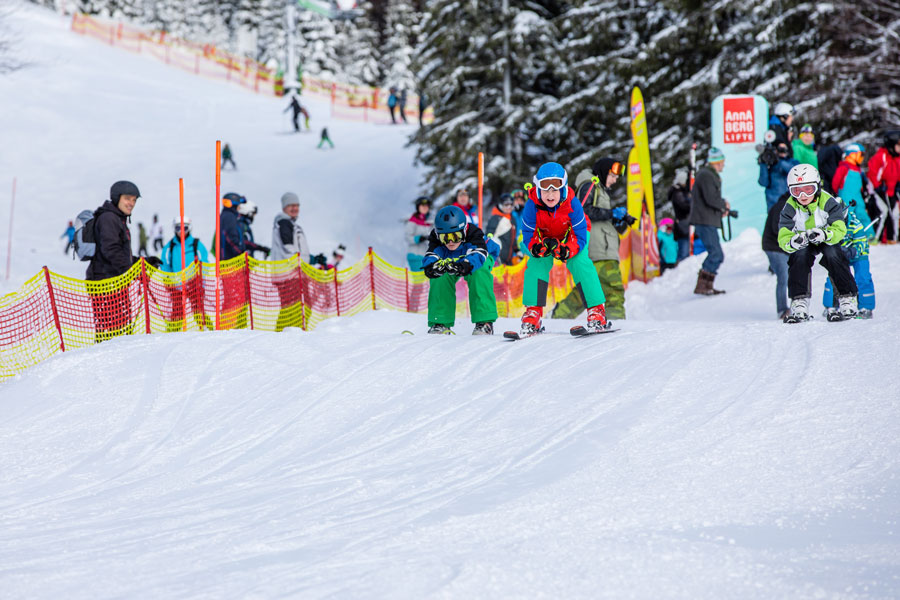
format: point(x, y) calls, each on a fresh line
point(594, 181)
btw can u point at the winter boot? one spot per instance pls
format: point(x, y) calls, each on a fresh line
point(439, 329)
point(865, 313)
point(596, 318)
point(711, 278)
point(531, 321)
point(799, 310)
point(702, 286)
point(847, 306)
point(485, 328)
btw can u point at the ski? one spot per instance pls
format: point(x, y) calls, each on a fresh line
point(514, 335)
point(582, 331)
point(790, 320)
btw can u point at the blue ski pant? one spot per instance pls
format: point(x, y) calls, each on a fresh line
point(863, 276)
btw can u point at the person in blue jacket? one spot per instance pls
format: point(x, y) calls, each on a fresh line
point(232, 238)
point(856, 247)
point(774, 178)
point(194, 250)
point(457, 249)
point(848, 182)
point(69, 233)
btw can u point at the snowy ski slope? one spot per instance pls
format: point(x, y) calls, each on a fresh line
point(704, 451)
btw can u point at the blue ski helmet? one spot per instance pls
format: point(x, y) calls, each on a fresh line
point(450, 219)
point(854, 147)
point(551, 170)
point(232, 200)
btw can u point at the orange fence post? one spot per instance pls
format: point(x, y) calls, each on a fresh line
point(218, 237)
point(337, 299)
point(247, 281)
point(62, 343)
point(183, 266)
point(145, 283)
point(372, 276)
point(480, 189)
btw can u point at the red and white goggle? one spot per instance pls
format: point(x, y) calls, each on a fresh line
point(804, 189)
point(550, 183)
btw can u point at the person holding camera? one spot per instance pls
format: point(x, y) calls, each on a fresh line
point(707, 209)
point(603, 249)
point(781, 124)
point(812, 223)
point(773, 173)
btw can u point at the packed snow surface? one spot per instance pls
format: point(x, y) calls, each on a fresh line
point(703, 451)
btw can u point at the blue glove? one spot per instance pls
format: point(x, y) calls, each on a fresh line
point(618, 213)
point(418, 239)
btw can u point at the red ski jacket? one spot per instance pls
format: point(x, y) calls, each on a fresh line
point(884, 169)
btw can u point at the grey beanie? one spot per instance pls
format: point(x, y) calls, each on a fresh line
point(289, 198)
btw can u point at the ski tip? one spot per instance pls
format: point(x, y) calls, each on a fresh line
point(511, 335)
point(581, 331)
point(406, 332)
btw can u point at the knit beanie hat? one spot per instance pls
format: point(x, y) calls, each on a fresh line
point(289, 198)
point(715, 155)
point(601, 168)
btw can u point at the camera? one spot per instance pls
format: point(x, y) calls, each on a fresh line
point(768, 155)
point(733, 214)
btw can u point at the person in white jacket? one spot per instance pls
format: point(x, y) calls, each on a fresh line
point(418, 228)
point(288, 240)
point(287, 236)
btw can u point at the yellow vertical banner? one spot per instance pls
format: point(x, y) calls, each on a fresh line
point(634, 201)
point(642, 149)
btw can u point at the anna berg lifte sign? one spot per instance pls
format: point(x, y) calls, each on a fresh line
point(739, 120)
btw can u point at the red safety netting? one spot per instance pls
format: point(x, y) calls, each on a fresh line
point(53, 313)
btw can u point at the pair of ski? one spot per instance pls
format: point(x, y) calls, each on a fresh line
point(577, 331)
point(831, 317)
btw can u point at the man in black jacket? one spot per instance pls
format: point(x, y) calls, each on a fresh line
point(707, 209)
point(113, 257)
point(680, 197)
point(778, 258)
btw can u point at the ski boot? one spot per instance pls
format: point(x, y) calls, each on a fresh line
point(531, 321)
point(847, 307)
point(799, 310)
point(485, 328)
point(864, 313)
point(596, 318)
point(439, 329)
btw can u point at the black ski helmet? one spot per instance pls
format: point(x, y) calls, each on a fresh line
point(123, 187)
point(891, 137)
point(422, 200)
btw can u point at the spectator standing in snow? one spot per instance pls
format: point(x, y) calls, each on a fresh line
point(828, 157)
point(518, 209)
point(680, 197)
point(392, 103)
point(805, 147)
point(227, 158)
point(707, 209)
point(501, 227)
point(69, 233)
point(231, 237)
point(884, 173)
point(289, 240)
point(231, 241)
point(112, 257)
point(156, 234)
point(417, 230)
point(423, 105)
point(774, 177)
point(401, 104)
point(849, 181)
point(778, 258)
point(781, 123)
point(325, 138)
point(246, 214)
point(337, 256)
point(464, 203)
point(194, 250)
point(668, 248)
point(143, 238)
point(606, 223)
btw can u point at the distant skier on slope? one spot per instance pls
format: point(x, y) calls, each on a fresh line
point(457, 249)
point(812, 223)
point(554, 226)
point(298, 110)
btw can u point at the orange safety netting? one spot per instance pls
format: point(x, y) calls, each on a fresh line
point(53, 313)
point(351, 102)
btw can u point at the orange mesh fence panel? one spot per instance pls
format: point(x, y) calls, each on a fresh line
point(275, 294)
point(397, 288)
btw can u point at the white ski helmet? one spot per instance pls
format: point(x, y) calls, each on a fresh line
point(247, 209)
point(783, 109)
point(176, 224)
point(801, 175)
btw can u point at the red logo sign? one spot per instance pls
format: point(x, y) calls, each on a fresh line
point(739, 120)
point(636, 110)
point(635, 168)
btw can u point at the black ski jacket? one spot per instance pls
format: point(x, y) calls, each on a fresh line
point(113, 254)
point(681, 203)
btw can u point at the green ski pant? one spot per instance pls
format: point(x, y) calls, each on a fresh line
point(611, 280)
point(537, 279)
point(482, 302)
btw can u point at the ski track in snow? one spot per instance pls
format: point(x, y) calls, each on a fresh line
point(703, 451)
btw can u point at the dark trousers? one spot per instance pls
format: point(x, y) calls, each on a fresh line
point(225, 161)
point(834, 260)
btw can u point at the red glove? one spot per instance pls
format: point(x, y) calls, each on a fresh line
point(567, 249)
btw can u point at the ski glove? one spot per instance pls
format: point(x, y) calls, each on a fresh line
point(542, 248)
point(434, 270)
point(463, 267)
point(815, 236)
point(618, 213)
point(798, 240)
point(419, 239)
point(566, 250)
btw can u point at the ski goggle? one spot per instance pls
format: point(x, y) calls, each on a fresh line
point(617, 168)
point(804, 189)
point(551, 183)
point(451, 238)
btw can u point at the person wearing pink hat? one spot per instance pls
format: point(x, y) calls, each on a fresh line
point(668, 247)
